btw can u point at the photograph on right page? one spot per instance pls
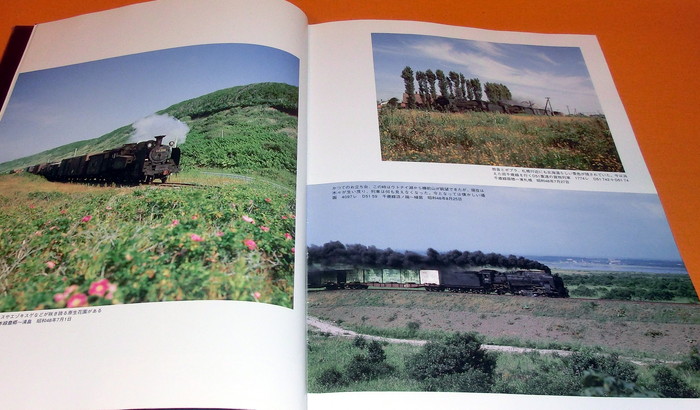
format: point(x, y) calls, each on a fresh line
point(461, 288)
point(461, 101)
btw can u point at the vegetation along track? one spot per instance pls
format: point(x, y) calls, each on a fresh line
point(664, 330)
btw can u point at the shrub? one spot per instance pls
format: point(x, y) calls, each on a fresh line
point(331, 378)
point(603, 385)
point(413, 327)
point(618, 293)
point(359, 341)
point(669, 383)
point(692, 362)
point(584, 291)
point(471, 380)
point(611, 365)
point(542, 377)
point(369, 366)
point(458, 353)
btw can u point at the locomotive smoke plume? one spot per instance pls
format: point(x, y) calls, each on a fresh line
point(336, 253)
point(148, 127)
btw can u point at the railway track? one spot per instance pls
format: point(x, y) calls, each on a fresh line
point(182, 184)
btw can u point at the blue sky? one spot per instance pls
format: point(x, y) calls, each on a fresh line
point(50, 108)
point(530, 72)
point(518, 221)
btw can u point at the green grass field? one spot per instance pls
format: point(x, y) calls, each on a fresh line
point(341, 365)
point(575, 143)
point(75, 245)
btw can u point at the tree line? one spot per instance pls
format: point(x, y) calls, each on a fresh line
point(451, 85)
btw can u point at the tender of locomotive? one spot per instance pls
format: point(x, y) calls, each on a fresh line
point(133, 163)
point(520, 282)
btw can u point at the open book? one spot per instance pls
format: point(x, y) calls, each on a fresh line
point(213, 204)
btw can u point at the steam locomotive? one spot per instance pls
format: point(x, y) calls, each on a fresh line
point(132, 163)
point(520, 282)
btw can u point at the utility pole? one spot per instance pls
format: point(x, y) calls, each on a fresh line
point(548, 104)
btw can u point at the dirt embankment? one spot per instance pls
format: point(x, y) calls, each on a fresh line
point(657, 328)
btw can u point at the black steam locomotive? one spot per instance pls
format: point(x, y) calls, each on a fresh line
point(133, 163)
point(520, 282)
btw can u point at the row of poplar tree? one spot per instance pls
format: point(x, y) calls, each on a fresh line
point(452, 85)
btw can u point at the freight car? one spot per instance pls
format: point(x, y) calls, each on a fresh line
point(132, 163)
point(521, 282)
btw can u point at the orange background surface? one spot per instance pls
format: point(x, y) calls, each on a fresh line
point(651, 46)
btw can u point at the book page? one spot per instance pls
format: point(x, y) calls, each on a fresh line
point(149, 219)
point(481, 223)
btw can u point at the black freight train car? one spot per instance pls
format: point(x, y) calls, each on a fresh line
point(132, 163)
point(521, 282)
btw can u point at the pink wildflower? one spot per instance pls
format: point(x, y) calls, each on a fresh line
point(70, 289)
point(256, 295)
point(99, 287)
point(77, 300)
point(195, 217)
point(59, 297)
point(196, 237)
point(86, 218)
point(219, 233)
point(248, 219)
point(250, 244)
point(175, 222)
point(293, 216)
point(265, 228)
point(284, 216)
point(294, 250)
point(50, 264)
point(32, 206)
point(287, 236)
point(110, 291)
point(62, 212)
point(268, 200)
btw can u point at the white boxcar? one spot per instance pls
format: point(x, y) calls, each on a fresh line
point(429, 277)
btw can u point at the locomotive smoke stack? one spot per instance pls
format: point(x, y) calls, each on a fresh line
point(159, 140)
point(170, 128)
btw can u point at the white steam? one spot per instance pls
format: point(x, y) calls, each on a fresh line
point(148, 127)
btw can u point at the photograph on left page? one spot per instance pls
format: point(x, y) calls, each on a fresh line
point(159, 176)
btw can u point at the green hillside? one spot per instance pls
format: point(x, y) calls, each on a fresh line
point(250, 128)
point(247, 129)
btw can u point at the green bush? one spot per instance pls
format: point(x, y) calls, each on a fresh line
point(471, 380)
point(458, 353)
point(692, 362)
point(331, 378)
point(359, 341)
point(583, 361)
point(542, 376)
point(669, 383)
point(413, 327)
point(369, 366)
point(603, 385)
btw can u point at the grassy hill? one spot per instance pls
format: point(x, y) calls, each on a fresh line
point(250, 128)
